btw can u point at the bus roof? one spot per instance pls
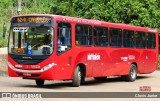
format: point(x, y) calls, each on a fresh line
point(93, 22)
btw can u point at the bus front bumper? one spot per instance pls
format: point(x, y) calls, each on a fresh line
point(45, 73)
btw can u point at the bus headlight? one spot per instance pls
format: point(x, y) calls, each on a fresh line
point(48, 66)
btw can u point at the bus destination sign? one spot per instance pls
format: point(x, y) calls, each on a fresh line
point(32, 19)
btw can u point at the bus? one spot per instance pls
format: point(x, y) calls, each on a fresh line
point(55, 47)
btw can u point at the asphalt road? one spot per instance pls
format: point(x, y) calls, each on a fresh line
point(149, 82)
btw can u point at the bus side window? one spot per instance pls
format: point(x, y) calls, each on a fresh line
point(100, 36)
point(115, 37)
point(83, 35)
point(63, 37)
point(78, 32)
point(151, 40)
point(128, 39)
point(140, 39)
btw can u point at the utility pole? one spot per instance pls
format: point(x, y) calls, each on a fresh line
point(19, 7)
point(4, 30)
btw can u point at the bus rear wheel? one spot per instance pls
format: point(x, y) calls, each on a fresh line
point(39, 82)
point(77, 77)
point(132, 73)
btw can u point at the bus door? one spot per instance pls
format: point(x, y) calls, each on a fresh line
point(100, 37)
point(97, 59)
point(150, 52)
point(63, 46)
point(141, 48)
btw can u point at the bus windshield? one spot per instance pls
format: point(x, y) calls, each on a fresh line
point(35, 40)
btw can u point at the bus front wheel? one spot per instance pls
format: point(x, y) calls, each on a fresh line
point(77, 77)
point(132, 73)
point(39, 82)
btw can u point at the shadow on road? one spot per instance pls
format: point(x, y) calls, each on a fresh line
point(88, 82)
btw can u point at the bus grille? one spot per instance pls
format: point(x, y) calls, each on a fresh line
point(27, 62)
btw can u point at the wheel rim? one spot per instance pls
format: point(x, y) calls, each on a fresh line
point(133, 73)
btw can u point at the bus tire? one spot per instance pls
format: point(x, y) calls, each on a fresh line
point(100, 78)
point(39, 82)
point(132, 73)
point(82, 78)
point(77, 77)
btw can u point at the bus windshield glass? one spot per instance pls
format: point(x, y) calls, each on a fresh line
point(35, 40)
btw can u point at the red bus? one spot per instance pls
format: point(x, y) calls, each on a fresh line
point(54, 47)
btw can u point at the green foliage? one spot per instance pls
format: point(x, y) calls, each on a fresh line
point(2, 42)
point(134, 12)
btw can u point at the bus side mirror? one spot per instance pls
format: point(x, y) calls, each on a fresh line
point(4, 30)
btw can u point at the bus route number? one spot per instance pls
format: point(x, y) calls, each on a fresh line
point(33, 20)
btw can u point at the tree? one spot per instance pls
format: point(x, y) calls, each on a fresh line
point(134, 12)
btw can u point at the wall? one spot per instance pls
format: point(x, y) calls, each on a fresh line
point(3, 61)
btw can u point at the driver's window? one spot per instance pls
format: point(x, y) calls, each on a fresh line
point(40, 41)
point(63, 37)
